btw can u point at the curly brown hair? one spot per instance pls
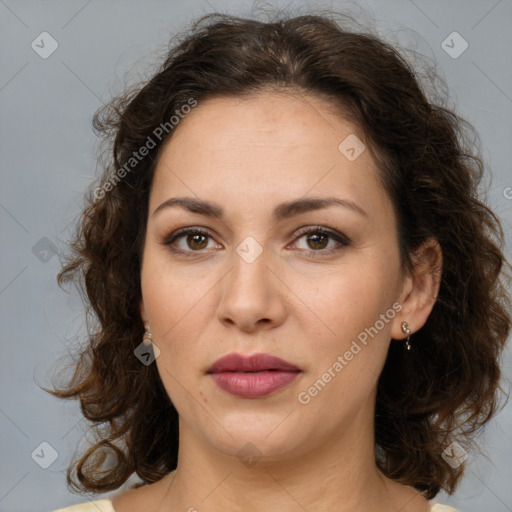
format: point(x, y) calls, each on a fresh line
point(431, 171)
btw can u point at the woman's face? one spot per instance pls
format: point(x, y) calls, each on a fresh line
point(254, 281)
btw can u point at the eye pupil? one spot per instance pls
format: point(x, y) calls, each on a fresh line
point(193, 239)
point(315, 238)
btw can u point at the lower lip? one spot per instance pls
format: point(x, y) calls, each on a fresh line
point(253, 385)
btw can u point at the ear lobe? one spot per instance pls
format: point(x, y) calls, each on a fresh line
point(421, 288)
point(142, 310)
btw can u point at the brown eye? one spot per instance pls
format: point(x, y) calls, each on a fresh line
point(321, 241)
point(188, 241)
point(197, 241)
point(318, 240)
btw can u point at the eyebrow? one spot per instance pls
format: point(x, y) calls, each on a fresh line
point(282, 211)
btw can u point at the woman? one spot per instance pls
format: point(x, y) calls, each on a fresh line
point(299, 297)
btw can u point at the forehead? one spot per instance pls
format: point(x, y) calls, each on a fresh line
point(292, 118)
point(249, 149)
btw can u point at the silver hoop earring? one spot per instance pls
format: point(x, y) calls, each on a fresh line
point(406, 330)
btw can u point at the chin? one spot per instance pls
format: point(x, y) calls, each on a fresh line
point(257, 438)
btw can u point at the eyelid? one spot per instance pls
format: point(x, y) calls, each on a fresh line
point(337, 235)
point(189, 230)
point(341, 239)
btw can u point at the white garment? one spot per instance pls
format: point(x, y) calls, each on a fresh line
point(106, 506)
point(92, 506)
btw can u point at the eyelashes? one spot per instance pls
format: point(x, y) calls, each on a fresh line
point(317, 235)
point(200, 237)
point(186, 232)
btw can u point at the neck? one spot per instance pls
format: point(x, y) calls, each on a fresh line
point(339, 475)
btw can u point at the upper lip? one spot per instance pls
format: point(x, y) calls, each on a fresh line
point(256, 362)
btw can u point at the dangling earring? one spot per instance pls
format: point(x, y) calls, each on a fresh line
point(147, 335)
point(406, 330)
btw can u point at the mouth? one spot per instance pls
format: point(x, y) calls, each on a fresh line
point(251, 364)
point(253, 376)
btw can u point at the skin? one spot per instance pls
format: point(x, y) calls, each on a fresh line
point(249, 155)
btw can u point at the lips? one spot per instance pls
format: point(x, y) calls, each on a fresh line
point(253, 376)
point(253, 363)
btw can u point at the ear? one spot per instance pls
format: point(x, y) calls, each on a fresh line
point(420, 288)
point(142, 310)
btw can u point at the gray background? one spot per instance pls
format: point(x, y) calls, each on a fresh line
point(48, 159)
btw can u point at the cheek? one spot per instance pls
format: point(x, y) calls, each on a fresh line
point(351, 298)
point(173, 294)
point(355, 306)
point(175, 306)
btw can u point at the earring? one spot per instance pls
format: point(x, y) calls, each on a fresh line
point(406, 330)
point(147, 335)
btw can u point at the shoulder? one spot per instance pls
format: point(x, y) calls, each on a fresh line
point(91, 506)
point(141, 498)
point(438, 507)
point(146, 497)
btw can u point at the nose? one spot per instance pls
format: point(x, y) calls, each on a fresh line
point(252, 295)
